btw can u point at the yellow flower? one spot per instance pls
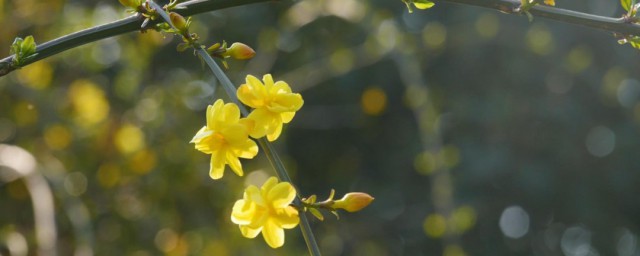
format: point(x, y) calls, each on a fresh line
point(226, 138)
point(550, 2)
point(274, 104)
point(266, 210)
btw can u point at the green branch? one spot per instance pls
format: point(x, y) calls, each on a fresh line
point(616, 25)
point(115, 28)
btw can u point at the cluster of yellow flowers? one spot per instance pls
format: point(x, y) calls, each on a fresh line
point(226, 136)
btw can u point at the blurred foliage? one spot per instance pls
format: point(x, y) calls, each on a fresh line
point(539, 129)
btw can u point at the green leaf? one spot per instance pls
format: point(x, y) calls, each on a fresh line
point(423, 4)
point(626, 4)
point(28, 46)
point(316, 213)
point(16, 45)
point(634, 41)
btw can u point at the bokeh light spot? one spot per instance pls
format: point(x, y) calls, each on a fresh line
point(129, 139)
point(539, 39)
point(166, 240)
point(143, 161)
point(514, 222)
point(425, 163)
point(342, 60)
point(453, 250)
point(579, 59)
point(600, 141)
point(108, 175)
point(463, 219)
point(434, 35)
point(7, 129)
point(373, 101)
point(627, 244)
point(628, 92)
point(57, 137)
point(576, 241)
point(37, 75)
point(415, 96)
point(25, 113)
point(435, 225)
point(75, 183)
point(487, 25)
point(89, 102)
point(450, 156)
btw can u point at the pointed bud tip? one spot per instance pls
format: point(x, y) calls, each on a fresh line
point(353, 202)
point(240, 51)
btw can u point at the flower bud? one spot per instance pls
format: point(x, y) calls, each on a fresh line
point(130, 3)
point(178, 21)
point(353, 202)
point(240, 51)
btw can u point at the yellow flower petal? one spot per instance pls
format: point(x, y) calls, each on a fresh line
point(242, 212)
point(234, 163)
point(280, 87)
point(248, 149)
point(287, 218)
point(287, 116)
point(253, 93)
point(250, 232)
point(234, 133)
point(273, 234)
point(263, 120)
point(231, 113)
point(268, 81)
point(255, 195)
point(213, 114)
point(217, 166)
point(281, 195)
point(202, 133)
point(268, 185)
point(273, 135)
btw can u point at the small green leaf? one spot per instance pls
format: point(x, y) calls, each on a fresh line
point(331, 195)
point(316, 213)
point(626, 4)
point(28, 46)
point(16, 45)
point(423, 4)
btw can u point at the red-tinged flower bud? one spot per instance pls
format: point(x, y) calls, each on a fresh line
point(240, 51)
point(353, 202)
point(178, 21)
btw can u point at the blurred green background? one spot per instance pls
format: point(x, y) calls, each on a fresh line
point(478, 133)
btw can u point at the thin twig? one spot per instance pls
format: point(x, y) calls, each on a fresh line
point(617, 25)
point(115, 28)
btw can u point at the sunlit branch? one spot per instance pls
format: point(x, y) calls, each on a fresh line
point(118, 27)
point(617, 25)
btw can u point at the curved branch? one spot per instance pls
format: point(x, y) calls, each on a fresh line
point(118, 27)
point(616, 25)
